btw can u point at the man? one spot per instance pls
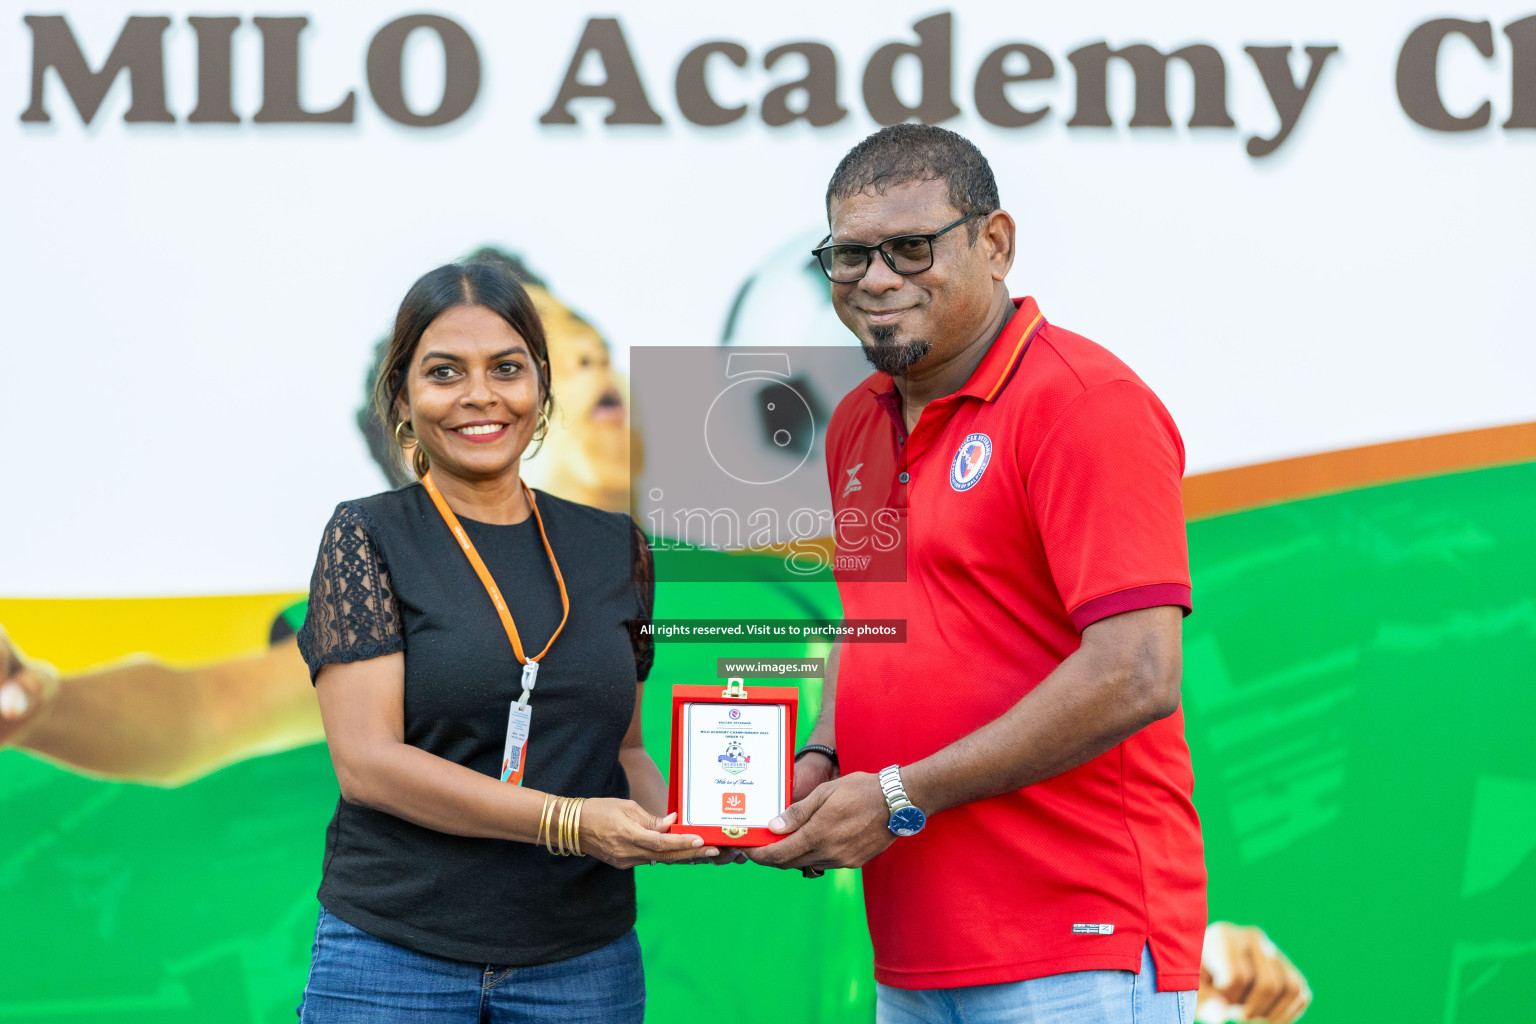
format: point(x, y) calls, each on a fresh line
point(1014, 778)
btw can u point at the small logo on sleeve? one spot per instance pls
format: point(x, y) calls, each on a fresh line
point(970, 461)
point(1093, 929)
point(854, 483)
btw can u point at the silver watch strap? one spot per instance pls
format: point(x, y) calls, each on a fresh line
point(895, 792)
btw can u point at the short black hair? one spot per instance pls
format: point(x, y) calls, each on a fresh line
point(905, 153)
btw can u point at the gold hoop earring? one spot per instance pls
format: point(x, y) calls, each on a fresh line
point(398, 427)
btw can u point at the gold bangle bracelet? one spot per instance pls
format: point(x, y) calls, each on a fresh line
point(543, 832)
point(549, 827)
point(554, 817)
point(576, 827)
point(566, 811)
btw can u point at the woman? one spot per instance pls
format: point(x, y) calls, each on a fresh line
point(461, 632)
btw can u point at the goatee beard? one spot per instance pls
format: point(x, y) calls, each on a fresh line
point(891, 358)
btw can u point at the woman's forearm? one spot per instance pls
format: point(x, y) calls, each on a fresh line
point(436, 793)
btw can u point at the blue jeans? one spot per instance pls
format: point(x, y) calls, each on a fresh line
point(355, 978)
point(1078, 997)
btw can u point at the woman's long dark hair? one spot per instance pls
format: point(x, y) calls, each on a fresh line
point(481, 281)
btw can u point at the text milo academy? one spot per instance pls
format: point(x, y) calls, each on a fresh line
point(787, 83)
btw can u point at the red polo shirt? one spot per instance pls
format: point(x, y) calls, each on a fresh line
point(1040, 498)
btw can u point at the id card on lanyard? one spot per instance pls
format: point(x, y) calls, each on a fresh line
point(514, 756)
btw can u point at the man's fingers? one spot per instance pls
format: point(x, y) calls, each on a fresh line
point(797, 814)
point(784, 853)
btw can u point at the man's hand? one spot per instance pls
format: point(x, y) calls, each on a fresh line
point(841, 824)
point(1245, 977)
point(811, 771)
point(26, 690)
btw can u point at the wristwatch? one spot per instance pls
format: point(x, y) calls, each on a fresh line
point(906, 820)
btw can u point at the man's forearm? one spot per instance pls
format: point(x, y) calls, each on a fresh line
point(1094, 700)
point(824, 731)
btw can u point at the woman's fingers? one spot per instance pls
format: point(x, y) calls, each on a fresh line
point(701, 854)
point(625, 834)
point(664, 842)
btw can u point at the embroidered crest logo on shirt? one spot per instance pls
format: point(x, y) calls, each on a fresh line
point(970, 461)
point(854, 483)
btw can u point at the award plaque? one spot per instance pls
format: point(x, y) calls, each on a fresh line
point(733, 760)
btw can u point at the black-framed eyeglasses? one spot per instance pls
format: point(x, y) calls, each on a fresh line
point(848, 262)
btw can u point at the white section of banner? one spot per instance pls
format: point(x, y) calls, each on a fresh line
point(191, 308)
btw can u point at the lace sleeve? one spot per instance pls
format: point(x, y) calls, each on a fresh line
point(352, 611)
point(643, 577)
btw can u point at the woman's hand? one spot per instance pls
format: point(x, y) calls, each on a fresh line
point(622, 833)
point(27, 688)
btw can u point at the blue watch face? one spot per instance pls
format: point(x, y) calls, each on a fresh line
point(907, 821)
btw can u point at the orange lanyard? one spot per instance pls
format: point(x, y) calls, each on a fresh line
point(530, 665)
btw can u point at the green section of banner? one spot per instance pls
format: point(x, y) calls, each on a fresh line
point(1360, 712)
point(1358, 683)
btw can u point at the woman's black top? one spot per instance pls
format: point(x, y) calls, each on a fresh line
point(390, 577)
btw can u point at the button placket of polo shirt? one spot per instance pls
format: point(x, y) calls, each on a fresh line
point(928, 431)
point(899, 495)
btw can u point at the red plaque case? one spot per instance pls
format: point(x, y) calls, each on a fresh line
point(789, 698)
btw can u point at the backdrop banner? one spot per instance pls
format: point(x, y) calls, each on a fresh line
point(1307, 226)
